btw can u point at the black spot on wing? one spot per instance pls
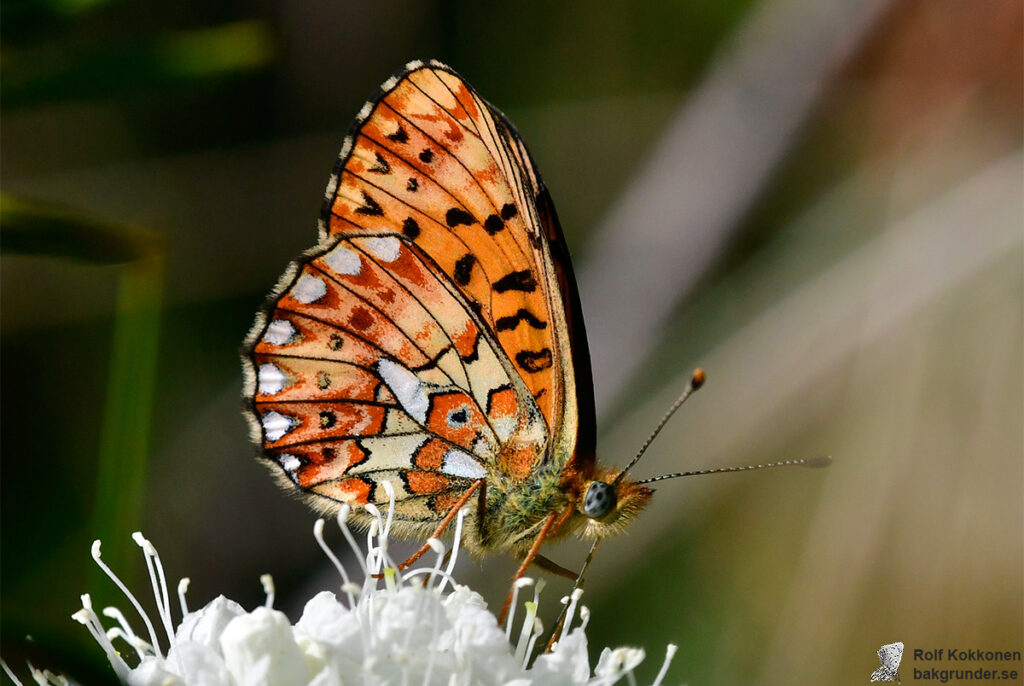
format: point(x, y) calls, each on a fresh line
point(399, 136)
point(508, 210)
point(464, 269)
point(534, 361)
point(410, 228)
point(327, 419)
point(426, 155)
point(493, 224)
point(370, 206)
point(413, 185)
point(512, 321)
point(456, 216)
point(477, 308)
point(382, 166)
point(516, 281)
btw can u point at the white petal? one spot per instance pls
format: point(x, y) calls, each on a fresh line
point(260, 646)
point(569, 659)
point(325, 619)
point(153, 672)
point(412, 606)
point(205, 626)
point(476, 634)
point(200, 665)
point(616, 663)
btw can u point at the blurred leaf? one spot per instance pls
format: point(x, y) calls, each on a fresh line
point(37, 229)
point(222, 50)
point(124, 442)
point(31, 228)
point(104, 70)
point(74, 8)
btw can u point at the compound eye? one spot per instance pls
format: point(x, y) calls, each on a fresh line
point(599, 500)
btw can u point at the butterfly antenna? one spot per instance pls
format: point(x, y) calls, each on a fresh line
point(696, 381)
point(823, 461)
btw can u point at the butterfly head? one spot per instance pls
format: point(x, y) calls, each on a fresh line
point(611, 504)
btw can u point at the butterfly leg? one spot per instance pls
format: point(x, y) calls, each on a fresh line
point(444, 523)
point(530, 555)
point(553, 567)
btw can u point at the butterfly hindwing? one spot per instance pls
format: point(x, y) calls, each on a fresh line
point(368, 367)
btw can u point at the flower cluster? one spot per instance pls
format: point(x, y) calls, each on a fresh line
point(416, 627)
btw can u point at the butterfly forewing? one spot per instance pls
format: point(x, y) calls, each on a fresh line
point(424, 341)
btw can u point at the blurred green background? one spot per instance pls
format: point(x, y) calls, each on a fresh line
point(819, 202)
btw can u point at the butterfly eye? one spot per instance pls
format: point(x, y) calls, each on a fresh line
point(599, 500)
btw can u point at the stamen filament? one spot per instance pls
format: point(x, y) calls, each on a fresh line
point(9, 673)
point(346, 584)
point(519, 583)
point(131, 598)
point(524, 633)
point(670, 652)
point(455, 549)
point(268, 588)
point(183, 585)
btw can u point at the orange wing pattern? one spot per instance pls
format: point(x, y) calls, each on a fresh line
point(424, 341)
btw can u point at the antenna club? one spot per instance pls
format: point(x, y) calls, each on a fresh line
point(697, 380)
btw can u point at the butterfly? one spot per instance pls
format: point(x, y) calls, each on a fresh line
point(433, 339)
point(890, 654)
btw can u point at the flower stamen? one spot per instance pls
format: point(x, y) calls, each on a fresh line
point(346, 584)
point(268, 588)
point(391, 630)
point(131, 598)
point(519, 583)
point(159, 582)
point(670, 652)
point(125, 631)
point(183, 585)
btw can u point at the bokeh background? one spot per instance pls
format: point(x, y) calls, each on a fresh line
point(819, 202)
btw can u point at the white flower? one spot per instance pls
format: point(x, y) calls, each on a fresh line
point(392, 629)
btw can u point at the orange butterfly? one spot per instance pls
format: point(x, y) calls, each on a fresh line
point(434, 338)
